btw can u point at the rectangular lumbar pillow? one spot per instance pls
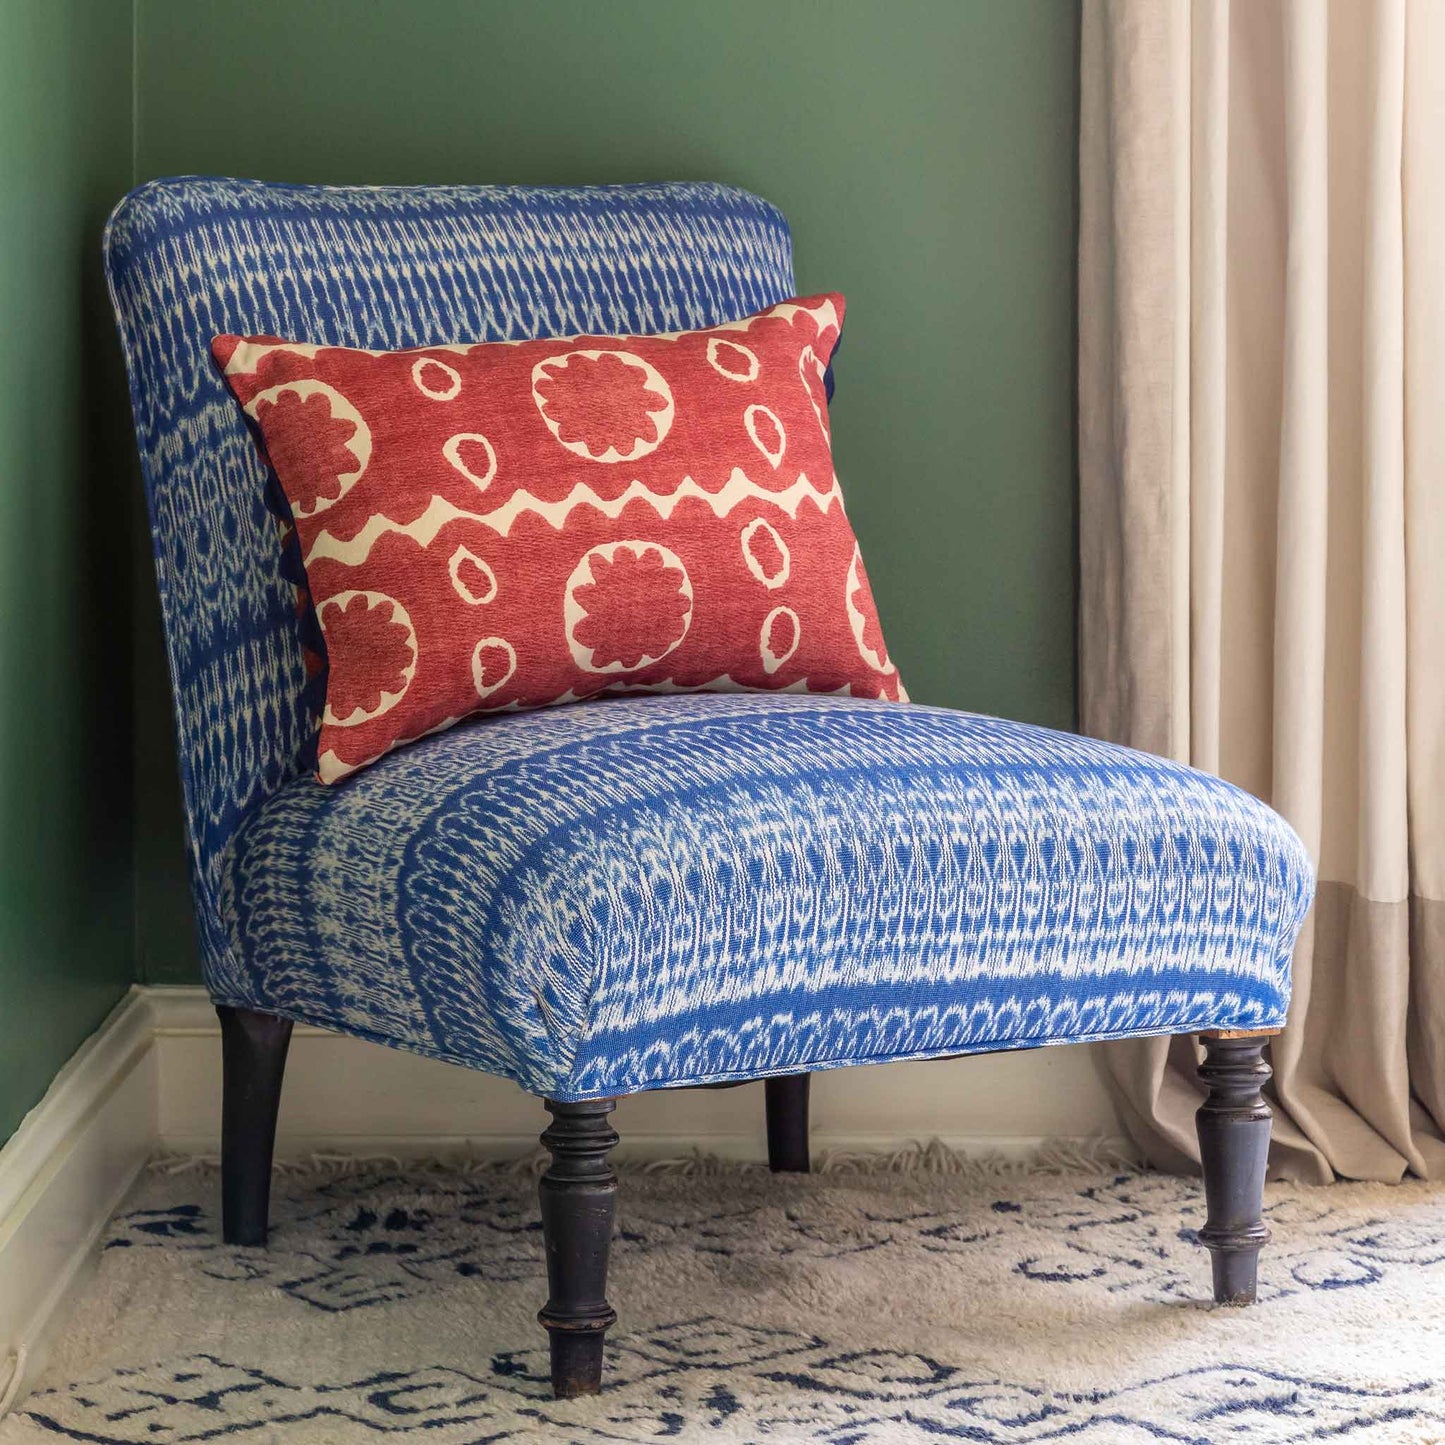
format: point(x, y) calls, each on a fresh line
point(514, 524)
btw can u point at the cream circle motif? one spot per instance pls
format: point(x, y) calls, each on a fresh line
point(606, 406)
point(779, 638)
point(435, 378)
point(732, 359)
point(356, 442)
point(378, 628)
point(626, 605)
point(473, 579)
point(494, 660)
point(452, 451)
point(766, 554)
point(875, 657)
point(767, 432)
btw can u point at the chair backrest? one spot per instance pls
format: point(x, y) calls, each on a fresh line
point(377, 267)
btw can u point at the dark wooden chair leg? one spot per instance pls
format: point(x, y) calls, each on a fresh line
point(1233, 1125)
point(253, 1060)
point(787, 1105)
point(578, 1194)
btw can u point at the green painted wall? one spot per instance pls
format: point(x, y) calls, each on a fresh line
point(924, 151)
point(67, 509)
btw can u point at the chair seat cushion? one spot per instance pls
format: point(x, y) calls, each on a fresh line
point(651, 891)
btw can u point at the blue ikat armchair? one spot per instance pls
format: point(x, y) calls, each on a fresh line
point(645, 892)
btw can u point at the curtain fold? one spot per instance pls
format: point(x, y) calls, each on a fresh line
point(1262, 508)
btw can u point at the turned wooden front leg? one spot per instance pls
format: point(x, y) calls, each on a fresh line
point(1233, 1126)
point(578, 1194)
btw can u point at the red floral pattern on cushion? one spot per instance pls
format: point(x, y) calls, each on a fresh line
point(371, 653)
point(635, 608)
point(305, 441)
point(513, 525)
point(602, 404)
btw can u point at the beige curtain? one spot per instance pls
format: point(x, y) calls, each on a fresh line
point(1262, 508)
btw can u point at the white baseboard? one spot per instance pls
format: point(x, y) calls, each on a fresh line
point(344, 1095)
point(62, 1174)
point(149, 1081)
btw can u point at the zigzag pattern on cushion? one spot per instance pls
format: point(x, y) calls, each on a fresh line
point(384, 268)
point(628, 894)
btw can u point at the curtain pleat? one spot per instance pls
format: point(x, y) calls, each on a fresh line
point(1126, 411)
point(1262, 509)
point(1425, 547)
point(1207, 274)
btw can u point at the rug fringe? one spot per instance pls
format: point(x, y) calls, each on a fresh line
point(1053, 1156)
point(932, 1159)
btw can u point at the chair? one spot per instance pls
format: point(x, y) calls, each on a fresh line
point(644, 892)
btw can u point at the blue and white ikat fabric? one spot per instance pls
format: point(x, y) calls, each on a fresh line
point(625, 895)
point(373, 267)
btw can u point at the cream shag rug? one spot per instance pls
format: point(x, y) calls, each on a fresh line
point(917, 1304)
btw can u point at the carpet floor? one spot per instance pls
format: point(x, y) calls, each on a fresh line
point(924, 1302)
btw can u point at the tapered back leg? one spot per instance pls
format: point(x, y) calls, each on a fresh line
point(787, 1105)
point(253, 1061)
point(1233, 1125)
point(578, 1196)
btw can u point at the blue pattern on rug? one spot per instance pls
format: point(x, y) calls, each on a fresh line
point(703, 1376)
point(374, 1239)
point(987, 1307)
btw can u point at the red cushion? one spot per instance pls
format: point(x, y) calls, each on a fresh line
point(510, 525)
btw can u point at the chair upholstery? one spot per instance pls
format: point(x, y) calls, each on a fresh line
point(381, 267)
point(628, 894)
point(621, 895)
